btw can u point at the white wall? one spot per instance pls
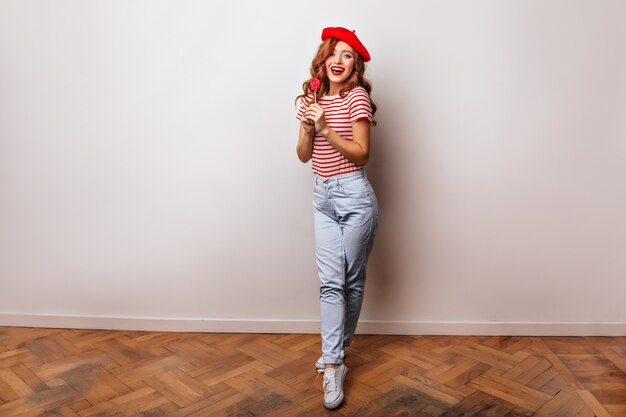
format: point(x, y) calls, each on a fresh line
point(148, 176)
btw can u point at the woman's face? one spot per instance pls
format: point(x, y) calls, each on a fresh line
point(340, 64)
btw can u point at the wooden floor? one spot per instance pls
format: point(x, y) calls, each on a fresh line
point(59, 372)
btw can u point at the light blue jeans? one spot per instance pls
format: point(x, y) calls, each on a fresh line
point(346, 217)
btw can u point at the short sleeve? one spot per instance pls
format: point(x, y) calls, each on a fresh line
point(301, 108)
point(360, 106)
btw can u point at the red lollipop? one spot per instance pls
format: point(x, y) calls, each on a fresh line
point(315, 85)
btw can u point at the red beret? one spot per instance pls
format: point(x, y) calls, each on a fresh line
point(349, 37)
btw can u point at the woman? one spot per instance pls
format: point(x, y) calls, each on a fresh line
point(335, 134)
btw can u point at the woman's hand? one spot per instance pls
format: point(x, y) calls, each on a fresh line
point(316, 114)
point(308, 126)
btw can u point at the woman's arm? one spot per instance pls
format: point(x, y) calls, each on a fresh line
point(356, 150)
point(305, 140)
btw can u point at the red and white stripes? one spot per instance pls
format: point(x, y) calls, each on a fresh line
point(340, 114)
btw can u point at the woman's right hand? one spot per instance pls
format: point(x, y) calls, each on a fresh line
point(308, 126)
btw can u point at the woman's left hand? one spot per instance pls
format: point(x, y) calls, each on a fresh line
point(316, 113)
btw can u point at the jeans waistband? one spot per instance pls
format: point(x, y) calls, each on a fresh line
point(338, 179)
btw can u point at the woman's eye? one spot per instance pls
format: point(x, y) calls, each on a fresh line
point(347, 56)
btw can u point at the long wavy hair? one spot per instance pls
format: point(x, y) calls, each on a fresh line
point(318, 70)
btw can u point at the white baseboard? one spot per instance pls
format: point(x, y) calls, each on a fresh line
point(493, 328)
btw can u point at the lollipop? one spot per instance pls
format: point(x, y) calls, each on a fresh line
point(315, 85)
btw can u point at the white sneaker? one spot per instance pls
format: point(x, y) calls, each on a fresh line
point(333, 386)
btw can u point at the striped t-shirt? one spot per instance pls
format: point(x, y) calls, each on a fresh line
point(340, 114)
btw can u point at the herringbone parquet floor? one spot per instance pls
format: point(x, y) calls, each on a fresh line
point(60, 372)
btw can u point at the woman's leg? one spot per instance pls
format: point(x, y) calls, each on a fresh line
point(359, 213)
point(331, 266)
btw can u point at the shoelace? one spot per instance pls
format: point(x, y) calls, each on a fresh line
point(330, 381)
